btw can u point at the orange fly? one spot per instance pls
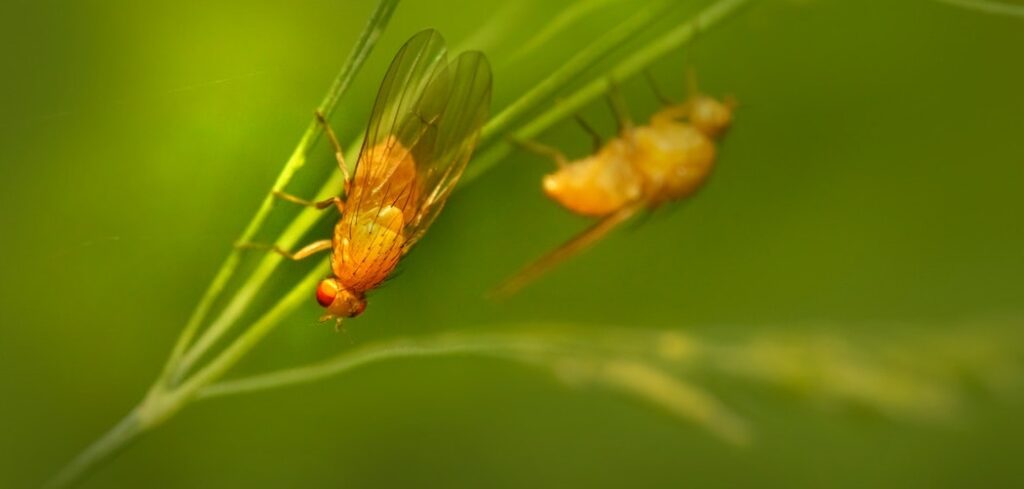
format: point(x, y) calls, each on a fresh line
point(424, 125)
point(644, 166)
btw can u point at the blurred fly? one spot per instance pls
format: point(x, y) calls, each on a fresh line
point(642, 167)
point(424, 125)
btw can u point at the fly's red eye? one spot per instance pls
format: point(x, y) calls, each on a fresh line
point(326, 292)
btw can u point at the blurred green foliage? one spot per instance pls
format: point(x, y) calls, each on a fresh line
point(872, 179)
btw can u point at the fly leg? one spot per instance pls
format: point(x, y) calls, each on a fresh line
point(339, 154)
point(542, 150)
point(322, 204)
point(594, 135)
point(692, 90)
point(618, 105)
point(672, 111)
point(304, 252)
point(657, 90)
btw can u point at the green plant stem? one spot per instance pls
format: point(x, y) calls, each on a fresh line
point(234, 352)
point(248, 290)
point(162, 400)
point(557, 24)
point(629, 67)
point(634, 365)
point(101, 450)
point(915, 375)
point(161, 403)
point(364, 45)
point(440, 345)
point(566, 72)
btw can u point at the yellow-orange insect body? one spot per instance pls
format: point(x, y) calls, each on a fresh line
point(709, 115)
point(368, 244)
point(667, 159)
point(423, 128)
point(600, 184)
point(643, 166)
point(674, 158)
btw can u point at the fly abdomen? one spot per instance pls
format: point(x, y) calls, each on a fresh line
point(367, 247)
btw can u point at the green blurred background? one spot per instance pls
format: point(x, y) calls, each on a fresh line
point(874, 176)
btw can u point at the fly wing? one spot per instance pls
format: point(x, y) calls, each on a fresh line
point(423, 127)
point(464, 101)
point(371, 235)
point(397, 125)
point(567, 250)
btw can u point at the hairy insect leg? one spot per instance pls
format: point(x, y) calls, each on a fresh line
point(691, 75)
point(656, 89)
point(304, 252)
point(692, 89)
point(338, 328)
point(542, 150)
point(589, 129)
point(618, 106)
point(580, 242)
point(339, 153)
point(673, 110)
point(323, 204)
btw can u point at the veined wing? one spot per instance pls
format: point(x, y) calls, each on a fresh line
point(570, 248)
point(395, 127)
point(422, 130)
point(441, 161)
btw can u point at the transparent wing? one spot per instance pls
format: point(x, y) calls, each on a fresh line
point(397, 124)
point(440, 161)
point(570, 248)
point(423, 128)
